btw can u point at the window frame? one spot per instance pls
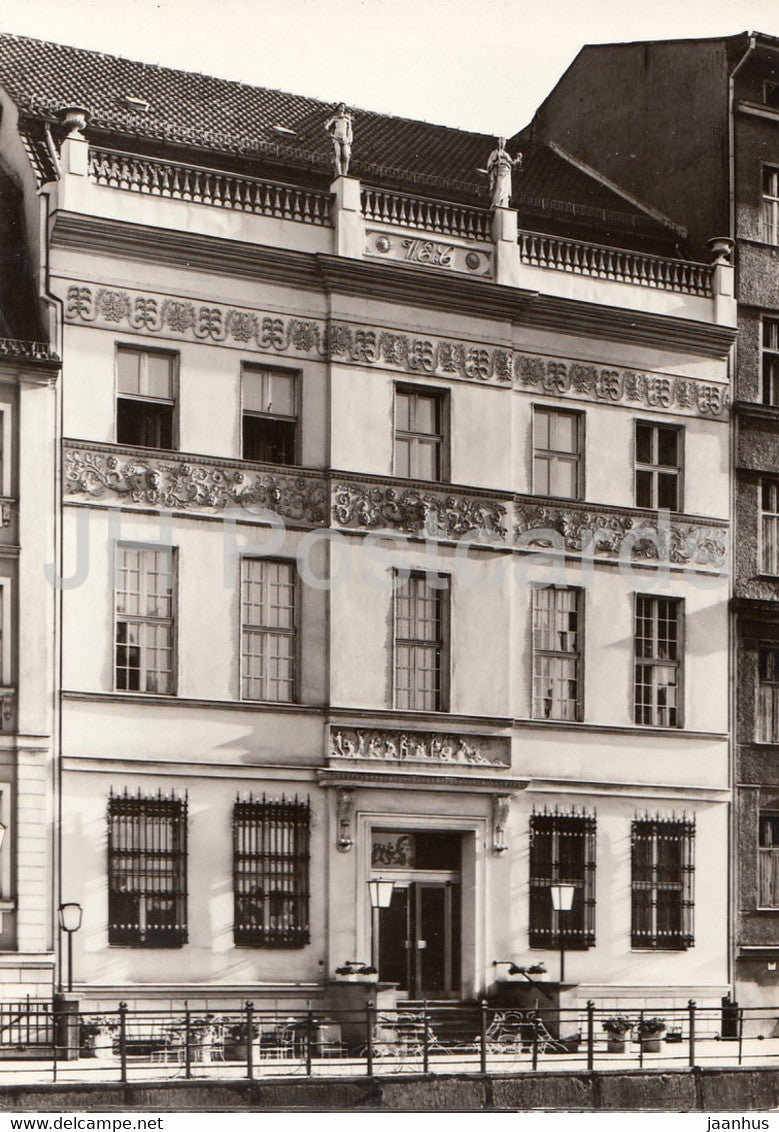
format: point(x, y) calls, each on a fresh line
point(769, 205)
point(175, 357)
point(444, 648)
point(580, 461)
point(295, 632)
point(655, 469)
point(763, 648)
point(174, 618)
point(442, 397)
point(763, 570)
point(656, 940)
point(658, 663)
point(296, 375)
point(769, 354)
point(578, 656)
point(554, 824)
point(253, 824)
point(764, 812)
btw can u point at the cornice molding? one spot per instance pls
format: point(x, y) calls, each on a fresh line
point(461, 783)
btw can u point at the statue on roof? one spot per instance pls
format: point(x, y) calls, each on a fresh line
point(339, 127)
point(500, 166)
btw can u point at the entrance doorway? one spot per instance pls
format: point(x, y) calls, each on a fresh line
point(418, 937)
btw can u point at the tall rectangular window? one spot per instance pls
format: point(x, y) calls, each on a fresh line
point(146, 397)
point(658, 466)
point(268, 630)
point(147, 871)
point(557, 653)
point(770, 360)
point(768, 860)
point(419, 434)
point(662, 869)
point(768, 695)
point(769, 526)
point(658, 649)
point(270, 415)
point(770, 205)
point(562, 850)
point(270, 867)
point(144, 656)
point(558, 461)
point(421, 643)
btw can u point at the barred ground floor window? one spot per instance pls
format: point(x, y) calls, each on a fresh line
point(662, 870)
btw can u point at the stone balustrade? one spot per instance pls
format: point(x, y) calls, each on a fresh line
point(431, 215)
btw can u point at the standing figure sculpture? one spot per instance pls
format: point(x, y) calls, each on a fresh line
point(500, 165)
point(339, 127)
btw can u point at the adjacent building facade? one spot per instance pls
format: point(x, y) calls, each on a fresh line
point(392, 541)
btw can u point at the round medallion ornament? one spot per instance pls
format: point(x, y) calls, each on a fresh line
point(383, 244)
point(473, 260)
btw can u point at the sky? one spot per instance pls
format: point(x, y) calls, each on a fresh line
point(481, 65)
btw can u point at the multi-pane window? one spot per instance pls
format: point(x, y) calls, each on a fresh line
point(768, 860)
point(768, 695)
point(146, 397)
point(557, 453)
point(658, 661)
point(270, 867)
point(658, 466)
point(144, 619)
point(268, 630)
point(270, 415)
point(557, 653)
point(419, 434)
point(770, 360)
point(769, 526)
point(421, 630)
point(662, 869)
point(562, 851)
point(147, 871)
point(771, 205)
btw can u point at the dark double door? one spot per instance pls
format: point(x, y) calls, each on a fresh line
point(419, 939)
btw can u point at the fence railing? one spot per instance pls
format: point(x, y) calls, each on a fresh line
point(129, 1044)
point(25, 1025)
point(208, 186)
point(432, 215)
point(603, 262)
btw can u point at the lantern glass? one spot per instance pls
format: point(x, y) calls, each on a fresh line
point(381, 892)
point(70, 917)
point(562, 896)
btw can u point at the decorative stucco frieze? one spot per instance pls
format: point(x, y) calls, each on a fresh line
point(418, 747)
point(363, 345)
point(415, 511)
point(183, 484)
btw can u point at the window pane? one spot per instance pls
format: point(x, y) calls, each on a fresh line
point(667, 494)
point(564, 479)
point(565, 437)
point(667, 447)
point(268, 440)
point(426, 415)
point(644, 489)
point(158, 376)
point(403, 458)
point(128, 371)
point(644, 443)
point(253, 390)
point(403, 411)
point(281, 393)
point(541, 429)
point(268, 640)
point(426, 454)
point(419, 645)
point(542, 483)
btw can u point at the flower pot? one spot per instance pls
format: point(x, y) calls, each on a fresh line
point(652, 1045)
point(616, 1045)
point(236, 1051)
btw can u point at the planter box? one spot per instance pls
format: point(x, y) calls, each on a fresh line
point(652, 1045)
point(616, 1045)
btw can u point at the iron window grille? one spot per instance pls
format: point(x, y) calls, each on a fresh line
point(557, 652)
point(270, 415)
point(562, 850)
point(662, 874)
point(421, 643)
point(768, 695)
point(557, 453)
point(771, 205)
point(271, 872)
point(147, 870)
point(768, 860)
point(419, 434)
point(770, 360)
point(269, 600)
point(769, 526)
point(658, 650)
point(658, 466)
point(146, 397)
point(144, 628)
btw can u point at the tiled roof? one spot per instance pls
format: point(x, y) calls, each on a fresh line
point(207, 113)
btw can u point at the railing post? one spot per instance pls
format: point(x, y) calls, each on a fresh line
point(123, 1042)
point(425, 1038)
point(250, 1041)
point(740, 1032)
point(187, 1043)
point(535, 1041)
point(369, 1038)
point(590, 1033)
point(309, 1039)
point(483, 1042)
point(691, 1010)
point(640, 1041)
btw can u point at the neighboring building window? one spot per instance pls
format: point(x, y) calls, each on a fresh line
point(768, 703)
point(658, 466)
point(770, 360)
point(146, 400)
point(144, 619)
point(419, 434)
point(658, 660)
point(562, 850)
point(769, 526)
point(270, 870)
point(771, 205)
point(147, 871)
point(558, 453)
point(270, 415)
point(268, 630)
point(421, 644)
point(557, 653)
point(768, 860)
point(661, 885)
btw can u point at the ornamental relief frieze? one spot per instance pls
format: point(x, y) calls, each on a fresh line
point(349, 344)
point(418, 747)
point(418, 512)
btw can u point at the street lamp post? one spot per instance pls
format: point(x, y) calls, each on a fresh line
point(562, 901)
point(381, 897)
point(70, 921)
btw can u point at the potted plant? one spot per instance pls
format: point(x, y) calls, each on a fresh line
point(237, 1036)
point(650, 1033)
point(96, 1037)
point(618, 1026)
point(354, 971)
point(535, 973)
